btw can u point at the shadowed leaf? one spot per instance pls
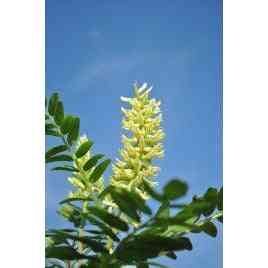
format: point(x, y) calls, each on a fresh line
point(175, 189)
point(74, 131)
point(66, 124)
point(157, 264)
point(211, 196)
point(65, 168)
point(56, 150)
point(108, 218)
point(59, 113)
point(125, 204)
point(141, 248)
point(62, 157)
point(171, 255)
point(107, 230)
point(52, 104)
point(63, 253)
point(72, 199)
point(135, 200)
point(210, 229)
point(220, 199)
point(163, 211)
point(83, 148)
point(92, 161)
point(52, 133)
point(99, 170)
point(152, 192)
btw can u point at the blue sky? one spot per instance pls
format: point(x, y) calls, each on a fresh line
point(95, 50)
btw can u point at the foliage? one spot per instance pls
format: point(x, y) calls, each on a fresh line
point(113, 225)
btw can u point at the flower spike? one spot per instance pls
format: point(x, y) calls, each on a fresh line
point(142, 145)
point(84, 188)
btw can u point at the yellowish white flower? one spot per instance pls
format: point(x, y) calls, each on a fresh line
point(142, 144)
point(79, 179)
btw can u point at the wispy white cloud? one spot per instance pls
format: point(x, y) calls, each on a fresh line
point(94, 34)
point(103, 69)
point(118, 66)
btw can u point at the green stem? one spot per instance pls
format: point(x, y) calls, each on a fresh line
point(81, 233)
point(109, 244)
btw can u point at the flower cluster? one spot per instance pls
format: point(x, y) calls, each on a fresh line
point(79, 179)
point(143, 145)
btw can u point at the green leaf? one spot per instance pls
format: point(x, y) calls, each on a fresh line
point(125, 204)
point(106, 191)
point(220, 199)
point(56, 150)
point(172, 244)
point(93, 244)
point(67, 124)
point(163, 211)
point(108, 231)
point(78, 182)
point(137, 202)
point(131, 252)
point(152, 192)
point(74, 131)
point(200, 206)
point(49, 126)
point(59, 113)
point(71, 199)
point(168, 221)
point(175, 226)
point(171, 255)
point(52, 231)
point(211, 196)
point(63, 253)
point(52, 104)
point(177, 229)
point(181, 205)
point(156, 229)
point(83, 148)
point(96, 232)
point(92, 161)
point(109, 218)
point(65, 168)
point(157, 264)
point(55, 263)
point(54, 240)
point(142, 265)
point(99, 170)
point(196, 208)
point(62, 157)
point(72, 213)
point(50, 132)
point(175, 189)
point(140, 248)
point(87, 240)
point(209, 228)
point(140, 203)
point(185, 214)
